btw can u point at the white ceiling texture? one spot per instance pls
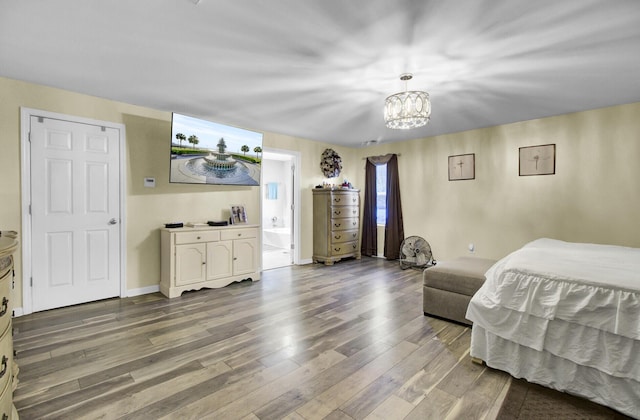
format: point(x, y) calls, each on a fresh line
point(321, 69)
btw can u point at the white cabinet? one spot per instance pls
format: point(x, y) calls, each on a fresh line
point(193, 258)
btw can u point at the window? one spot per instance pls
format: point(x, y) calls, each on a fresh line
point(381, 194)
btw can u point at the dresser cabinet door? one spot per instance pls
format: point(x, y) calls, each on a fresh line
point(190, 263)
point(245, 256)
point(219, 260)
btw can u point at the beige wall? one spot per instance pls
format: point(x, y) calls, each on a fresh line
point(148, 133)
point(593, 197)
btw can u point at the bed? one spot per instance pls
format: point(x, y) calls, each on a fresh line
point(566, 316)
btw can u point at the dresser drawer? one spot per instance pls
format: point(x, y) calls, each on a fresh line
point(5, 300)
point(228, 235)
point(344, 199)
point(344, 211)
point(344, 224)
point(6, 357)
point(197, 237)
point(6, 402)
point(343, 249)
point(6, 264)
point(340, 236)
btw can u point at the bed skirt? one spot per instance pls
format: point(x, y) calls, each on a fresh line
point(544, 368)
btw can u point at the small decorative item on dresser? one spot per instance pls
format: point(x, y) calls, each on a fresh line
point(238, 214)
point(173, 225)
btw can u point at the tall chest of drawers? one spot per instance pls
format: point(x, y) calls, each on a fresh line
point(8, 369)
point(336, 224)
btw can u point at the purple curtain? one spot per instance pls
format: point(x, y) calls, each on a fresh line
point(369, 246)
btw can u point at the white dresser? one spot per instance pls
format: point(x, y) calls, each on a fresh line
point(194, 258)
point(336, 224)
point(8, 369)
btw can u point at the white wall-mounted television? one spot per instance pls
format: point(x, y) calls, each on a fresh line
point(205, 152)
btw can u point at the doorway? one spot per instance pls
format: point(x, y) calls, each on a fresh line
point(72, 196)
point(280, 220)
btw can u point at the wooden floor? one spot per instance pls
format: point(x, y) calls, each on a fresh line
point(347, 341)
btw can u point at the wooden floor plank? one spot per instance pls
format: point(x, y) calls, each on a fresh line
point(214, 399)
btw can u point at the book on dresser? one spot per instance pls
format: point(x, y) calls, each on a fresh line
point(336, 224)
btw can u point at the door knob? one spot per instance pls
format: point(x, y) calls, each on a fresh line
point(113, 221)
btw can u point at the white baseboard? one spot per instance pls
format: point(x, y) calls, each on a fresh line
point(17, 312)
point(143, 291)
point(307, 261)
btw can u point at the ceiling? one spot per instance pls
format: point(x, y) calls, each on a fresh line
point(321, 69)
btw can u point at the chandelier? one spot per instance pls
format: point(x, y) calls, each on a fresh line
point(408, 109)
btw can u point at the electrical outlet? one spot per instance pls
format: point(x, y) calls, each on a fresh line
point(472, 248)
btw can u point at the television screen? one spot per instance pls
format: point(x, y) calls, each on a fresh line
point(204, 152)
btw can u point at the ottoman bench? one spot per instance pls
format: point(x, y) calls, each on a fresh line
point(449, 286)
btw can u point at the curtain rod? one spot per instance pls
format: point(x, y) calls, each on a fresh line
point(397, 154)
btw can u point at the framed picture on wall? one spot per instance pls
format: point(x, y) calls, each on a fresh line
point(537, 160)
point(462, 167)
point(238, 214)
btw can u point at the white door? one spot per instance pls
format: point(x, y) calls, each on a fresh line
point(75, 212)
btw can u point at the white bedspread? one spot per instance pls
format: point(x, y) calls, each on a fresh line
point(564, 315)
point(597, 286)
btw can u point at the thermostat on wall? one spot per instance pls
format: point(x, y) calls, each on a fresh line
point(150, 182)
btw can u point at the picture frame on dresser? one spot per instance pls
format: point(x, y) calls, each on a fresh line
point(238, 214)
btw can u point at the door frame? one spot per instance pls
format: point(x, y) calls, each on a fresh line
point(25, 123)
point(295, 161)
